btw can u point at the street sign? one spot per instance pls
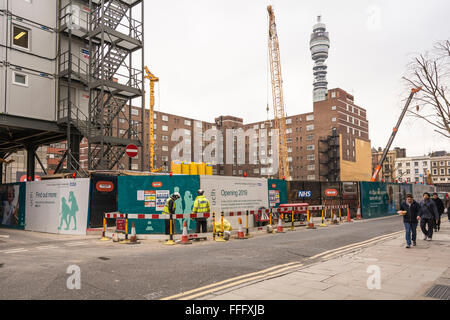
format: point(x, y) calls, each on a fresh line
point(120, 225)
point(132, 151)
point(331, 193)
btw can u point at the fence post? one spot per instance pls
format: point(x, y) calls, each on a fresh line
point(247, 235)
point(104, 238)
point(214, 226)
point(170, 242)
point(126, 231)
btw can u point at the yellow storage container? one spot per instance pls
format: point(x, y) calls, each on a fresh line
point(176, 167)
point(209, 169)
point(201, 167)
point(185, 168)
point(193, 169)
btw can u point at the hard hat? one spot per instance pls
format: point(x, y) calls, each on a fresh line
point(201, 192)
point(176, 195)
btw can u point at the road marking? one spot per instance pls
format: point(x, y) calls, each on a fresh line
point(76, 244)
point(15, 251)
point(228, 280)
point(4, 236)
point(350, 246)
point(191, 297)
point(47, 247)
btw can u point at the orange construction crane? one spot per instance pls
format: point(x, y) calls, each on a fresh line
point(277, 95)
point(152, 80)
point(394, 133)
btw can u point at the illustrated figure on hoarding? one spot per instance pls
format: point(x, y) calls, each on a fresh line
point(67, 213)
point(10, 208)
point(178, 202)
point(188, 204)
point(73, 209)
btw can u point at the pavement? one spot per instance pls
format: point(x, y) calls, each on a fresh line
point(404, 274)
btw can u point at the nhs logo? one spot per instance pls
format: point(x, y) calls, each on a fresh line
point(304, 194)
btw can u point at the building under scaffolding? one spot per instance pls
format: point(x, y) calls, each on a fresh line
point(67, 69)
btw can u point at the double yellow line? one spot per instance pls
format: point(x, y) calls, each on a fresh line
point(273, 271)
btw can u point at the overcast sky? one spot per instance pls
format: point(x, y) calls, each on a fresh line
point(211, 57)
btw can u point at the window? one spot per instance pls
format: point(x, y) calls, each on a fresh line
point(348, 130)
point(256, 171)
point(400, 172)
point(448, 163)
point(408, 164)
point(434, 164)
point(416, 164)
point(20, 79)
point(288, 121)
point(408, 179)
point(408, 171)
point(310, 127)
point(333, 119)
point(165, 148)
point(122, 120)
point(165, 128)
point(165, 158)
point(21, 37)
point(310, 157)
point(400, 164)
point(425, 164)
point(134, 112)
point(348, 142)
point(310, 147)
point(289, 140)
point(165, 118)
point(311, 167)
point(311, 177)
point(290, 159)
point(288, 131)
point(441, 163)
point(122, 132)
point(310, 118)
point(165, 138)
point(434, 172)
point(448, 171)
point(442, 172)
point(333, 108)
point(310, 137)
point(187, 123)
point(416, 171)
point(333, 95)
point(134, 167)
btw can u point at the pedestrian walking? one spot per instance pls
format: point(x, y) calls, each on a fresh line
point(428, 216)
point(169, 208)
point(440, 208)
point(201, 205)
point(410, 211)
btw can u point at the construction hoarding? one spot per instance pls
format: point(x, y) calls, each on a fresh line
point(12, 205)
point(148, 195)
point(58, 206)
point(231, 194)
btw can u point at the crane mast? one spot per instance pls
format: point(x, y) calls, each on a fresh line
point(277, 95)
point(149, 76)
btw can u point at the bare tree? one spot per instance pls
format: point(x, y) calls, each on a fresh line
point(431, 71)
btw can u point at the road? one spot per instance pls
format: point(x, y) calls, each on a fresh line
point(34, 266)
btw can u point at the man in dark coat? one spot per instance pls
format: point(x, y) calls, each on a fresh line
point(428, 216)
point(440, 208)
point(410, 219)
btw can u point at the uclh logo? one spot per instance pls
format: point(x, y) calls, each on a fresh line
point(228, 146)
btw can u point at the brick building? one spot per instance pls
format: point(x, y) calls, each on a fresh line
point(389, 170)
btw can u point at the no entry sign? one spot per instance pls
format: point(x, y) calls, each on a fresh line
point(132, 150)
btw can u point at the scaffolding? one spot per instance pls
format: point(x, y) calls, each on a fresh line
point(329, 158)
point(114, 34)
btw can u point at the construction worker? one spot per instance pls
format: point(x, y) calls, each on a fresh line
point(201, 205)
point(169, 208)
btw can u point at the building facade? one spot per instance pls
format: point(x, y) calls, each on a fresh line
point(412, 169)
point(388, 171)
point(440, 169)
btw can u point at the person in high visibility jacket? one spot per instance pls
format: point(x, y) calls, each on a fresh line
point(201, 205)
point(169, 208)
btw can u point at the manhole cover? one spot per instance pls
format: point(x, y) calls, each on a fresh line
point(1, 265)
point(104, 258)
point(439, 292)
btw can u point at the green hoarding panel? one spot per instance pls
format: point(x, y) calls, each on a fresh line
point(382, 199)
point(277, 192)
point(148, 195)
point(12, 205)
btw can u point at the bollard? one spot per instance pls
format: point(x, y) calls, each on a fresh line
point(270, 226)
point(221, 239)
point(323, 221)
point(126, 241)
point(214, 226)
point(105, 227)
point(292, 221)
point(340, 215)
point(170, 242)
point(247, 235)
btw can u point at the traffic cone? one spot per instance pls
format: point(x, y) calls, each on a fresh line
point(241, 235)
point(280, 225)
point(310, 223)
point(349, 218)
point(133, 238)
point(185, 237)
point(358, 214)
